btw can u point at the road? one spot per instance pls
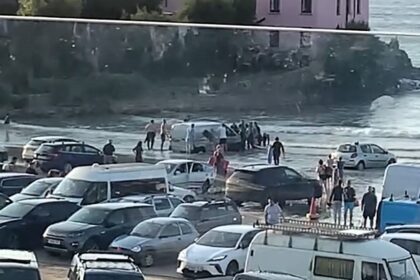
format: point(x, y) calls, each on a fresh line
point(56, 268)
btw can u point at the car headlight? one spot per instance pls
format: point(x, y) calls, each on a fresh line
point(136, 249)
point(217, 259)
point(75, 234)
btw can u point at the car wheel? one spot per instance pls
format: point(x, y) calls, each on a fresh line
point(189, 198)
point(13, 241)
point(361, 166)
point(67, 168)
point(232, 269)
point(91, 245)
point(147, 260)
point(392, 161)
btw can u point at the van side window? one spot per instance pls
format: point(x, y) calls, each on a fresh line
point(97, 193)
point(373, 271)
point(133, 187)
point(334, 268)
point(411, 246)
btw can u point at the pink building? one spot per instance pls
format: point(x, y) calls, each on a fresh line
point(301, 13)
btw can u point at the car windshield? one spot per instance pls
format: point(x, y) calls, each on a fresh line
point(90, 215)
point(16, 273)
point(223, 239)
point(403, 270)
point(74, 188)
point(111, 276)
point(347, 148)
point(16, 210)
point(188, 212)
point(37, 188)
point(147, 229)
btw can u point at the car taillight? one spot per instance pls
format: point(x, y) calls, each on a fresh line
point(354, 155)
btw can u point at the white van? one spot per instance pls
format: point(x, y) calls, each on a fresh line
point(400, 179)
point(318, 251)
point(98, 183)
point(205, 138)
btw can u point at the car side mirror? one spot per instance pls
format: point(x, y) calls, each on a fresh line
point(109, 224)
point(242, 246)
point(171, 188)
point(196, 239)
point(386, 152)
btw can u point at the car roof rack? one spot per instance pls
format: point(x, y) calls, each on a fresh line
point(290, 226)
point(104, 256)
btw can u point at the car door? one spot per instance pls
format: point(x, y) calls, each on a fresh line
point(276, 183)
point(75, 156)
point(380, 156)
point(197, 173)
point(12, 186)
point(297, 187)
point(367, 156)
point(35, 222)
point(92, 155)
point(188, 235)
point(180, 175)
point(115, 224)
point(242, 251)
point(169, 240)
point(162, 206)
point(208, 219)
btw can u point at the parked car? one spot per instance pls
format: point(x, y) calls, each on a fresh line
point(364, 155)
point(95, 226)
point(18, 265)
point(103, 265)
point(4, 200)
point(64, 156)
point(407, 241)
point(158, 238)
point(11, 183)
point(22, 223)
point(206, 215)
point(33, 144)
point(281, 183)
point(221, 251)
point(163, 204)
point(184, 194)
point(37, 189)
point(183, 172)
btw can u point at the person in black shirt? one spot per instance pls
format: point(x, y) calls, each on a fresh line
point(278, 150)
point(138, 150)
point(108, 151)
point(31, 169)
point(336, 201)
point(349, 200)
point(369, 203)
point(7, 126)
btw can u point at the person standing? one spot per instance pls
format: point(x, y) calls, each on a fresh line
point(258, 133)
point(31, 169)
point(278, 150)
point(349, 201)
point(217, 160)
point(108, 151)
point(163, 134)
point(138, 151)
point(11, 166)
point(150, 134)
point(189, 139)
point(242, 132)
point(369, 202)
point(273, 214)
point(250, 136)
point(7, 122)
point(340, 167)
point(336, 202)
point(223, 137)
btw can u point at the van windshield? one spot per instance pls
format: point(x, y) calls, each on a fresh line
point(403, 270)
point(74, 188)
point(17, 273)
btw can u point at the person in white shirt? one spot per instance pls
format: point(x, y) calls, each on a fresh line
point(163, 134)
point(273, 213)
point(223, 137)
point(150, 134)
point(189, 139)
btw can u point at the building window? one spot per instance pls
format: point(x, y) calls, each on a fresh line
point(338, 7)
point(358, 7)
point(274, 39)
point(275, 6)
point(306, 6)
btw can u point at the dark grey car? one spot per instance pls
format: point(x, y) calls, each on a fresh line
point(207, 215)
point(156, 238)
point(95, 226)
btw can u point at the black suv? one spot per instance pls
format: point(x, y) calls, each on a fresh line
point(258, 182)
point(100, 265)
point(12, 183)
point(95, 226)
point(205, 215)
point(22, 223)
point(18, 265)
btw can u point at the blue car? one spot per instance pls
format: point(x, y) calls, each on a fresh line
point(66, 155)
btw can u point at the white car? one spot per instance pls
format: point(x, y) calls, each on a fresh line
point(33, 144)
point(408, 241)
point(184, 194)
point(183, 172)
point(219, 252)
point(364, 155)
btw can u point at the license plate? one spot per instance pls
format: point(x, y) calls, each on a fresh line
point(53, 242)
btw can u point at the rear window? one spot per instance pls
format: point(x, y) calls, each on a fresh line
point(347, 148)
point(188, 212)
point(36, 143)
point(47, 149)
point(243, 175)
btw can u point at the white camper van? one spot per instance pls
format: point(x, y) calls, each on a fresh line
point(98, 183)
point(206, 136)
point(401, 179)
point(320, 251)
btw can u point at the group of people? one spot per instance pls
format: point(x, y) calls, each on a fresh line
point(152, 129)
point(251, 135)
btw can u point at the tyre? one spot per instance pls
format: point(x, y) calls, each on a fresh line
point(67, 167)
point(147, 260)
point(361, 166)
point(189, 198)
point(91, 245)
point(232, 269)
